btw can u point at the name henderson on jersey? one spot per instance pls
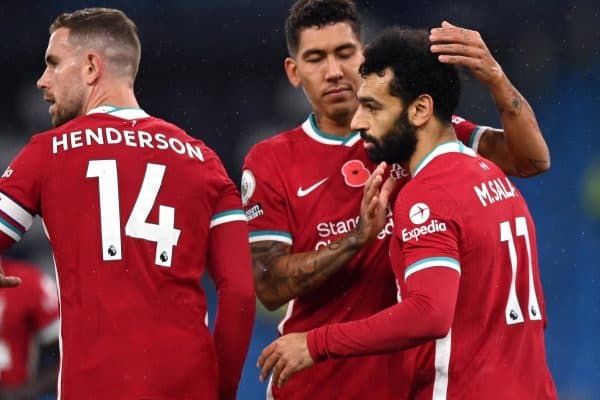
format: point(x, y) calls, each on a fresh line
point(141, 139)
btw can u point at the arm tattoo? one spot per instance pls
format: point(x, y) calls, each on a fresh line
point(516, 103)
point(513, 106)
point(280, 276)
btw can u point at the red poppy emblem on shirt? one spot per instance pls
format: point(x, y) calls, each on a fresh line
point(355, 173)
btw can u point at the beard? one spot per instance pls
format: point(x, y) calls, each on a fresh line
point(398, 144)
point(72, 108)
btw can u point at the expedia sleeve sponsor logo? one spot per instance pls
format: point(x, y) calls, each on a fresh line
point(431, 227)
point(419, 214)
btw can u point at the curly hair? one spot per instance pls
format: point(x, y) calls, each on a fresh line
point(310, 13)
point(416, 69)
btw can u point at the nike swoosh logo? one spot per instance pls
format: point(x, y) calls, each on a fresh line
point(304, 192)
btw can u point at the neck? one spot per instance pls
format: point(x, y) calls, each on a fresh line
point(339, 127)
point(117, 94)
point(429, 137)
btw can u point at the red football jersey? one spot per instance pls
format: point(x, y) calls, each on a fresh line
point(304, 188)
point(128, 202)
point(464, 253)
point(27, 314)
point(461, 212)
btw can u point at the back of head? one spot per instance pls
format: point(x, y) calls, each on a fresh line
point(417, 70)
point(318, 13)
point(108, 31)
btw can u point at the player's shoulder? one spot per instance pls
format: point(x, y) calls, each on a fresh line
point(449, 162)
point(54, 131)
point(441, 173)
point(165, 126)
point(73, 125)
point(461, 123)
point(278, 143)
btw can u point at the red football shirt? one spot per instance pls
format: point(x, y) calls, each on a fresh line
point(130, 203)
point(464, 253)
point(27, 314)
point(304, 188)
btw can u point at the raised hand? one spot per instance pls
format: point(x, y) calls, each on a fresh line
point(460, 46)
point(374, 205)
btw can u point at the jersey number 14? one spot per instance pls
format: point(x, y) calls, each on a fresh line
point(164, 234)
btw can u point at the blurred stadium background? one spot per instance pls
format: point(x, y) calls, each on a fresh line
point(216, 69)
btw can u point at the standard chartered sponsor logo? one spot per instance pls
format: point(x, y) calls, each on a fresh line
point(419, 214)
point(331, 230)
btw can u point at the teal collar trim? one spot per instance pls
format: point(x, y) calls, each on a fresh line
point(129, 113)
point(443, 148)
point(311, 129)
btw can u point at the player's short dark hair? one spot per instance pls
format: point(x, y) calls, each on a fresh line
point(416, 69)
point(318, 13)
point(105, 27)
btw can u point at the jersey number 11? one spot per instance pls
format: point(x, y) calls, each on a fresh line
point(513, 312)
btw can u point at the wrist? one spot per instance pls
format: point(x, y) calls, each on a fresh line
point(315, 342)
point(499, 84)
point(362, 235)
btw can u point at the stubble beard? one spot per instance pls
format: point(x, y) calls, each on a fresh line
point(342, 113)
point(72, 109)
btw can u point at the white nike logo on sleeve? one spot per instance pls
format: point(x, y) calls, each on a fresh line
point(304, 192)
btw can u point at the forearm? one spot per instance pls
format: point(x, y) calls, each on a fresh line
point(229, 263)
point(280, 276)
point(527, 151)
point(424, 314)
point(233, 330)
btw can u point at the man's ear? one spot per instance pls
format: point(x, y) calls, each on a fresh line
point(291, 69)
point(94, 68)
point(421, 110)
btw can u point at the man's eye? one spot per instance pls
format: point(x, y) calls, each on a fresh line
point(346, 54)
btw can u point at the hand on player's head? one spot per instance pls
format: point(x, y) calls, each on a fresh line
point(465, 47)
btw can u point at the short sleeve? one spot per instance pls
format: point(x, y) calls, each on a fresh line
point(467, 132)
point(428, 227)
point(264, 199)
point(20, 191)
point(228, 207)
